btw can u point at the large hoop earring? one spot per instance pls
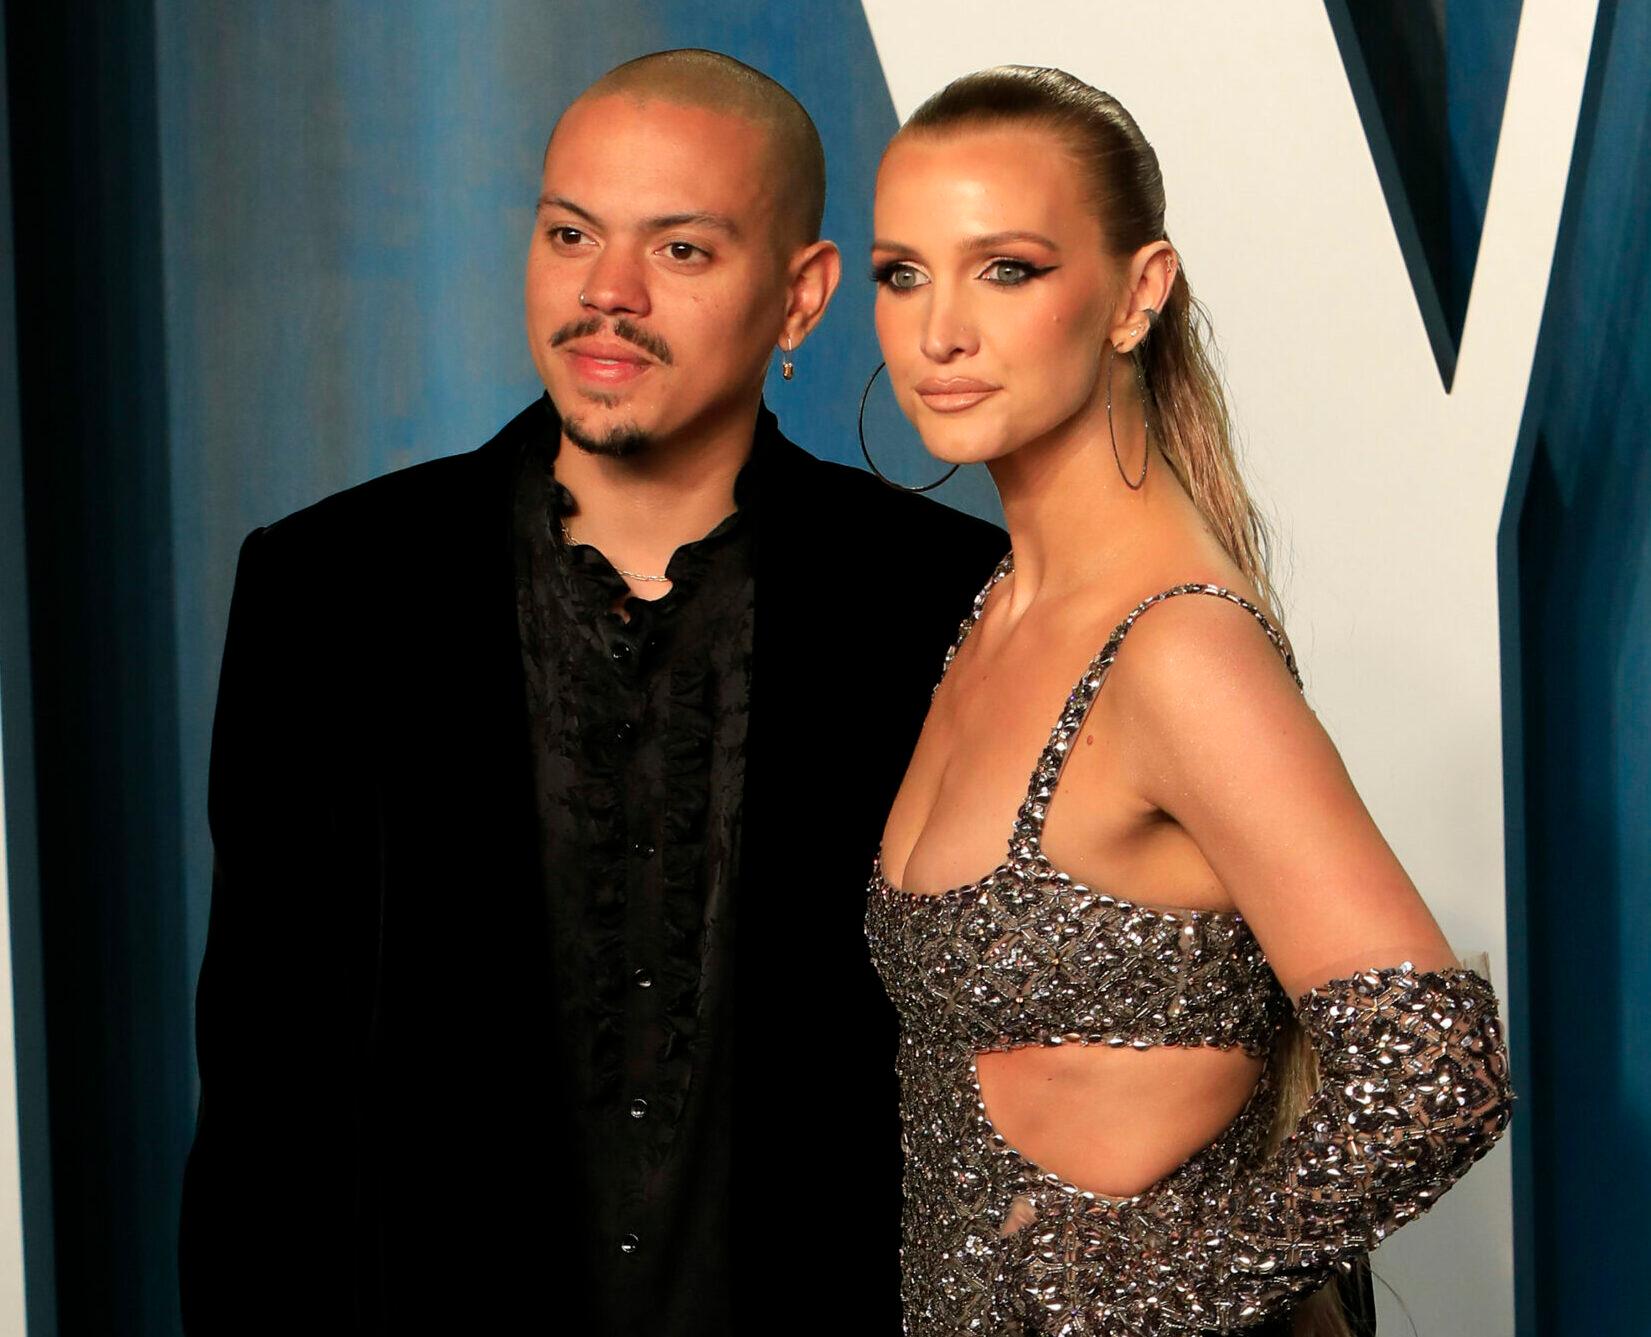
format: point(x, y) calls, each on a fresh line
point(1146, 429)
point(871, 464)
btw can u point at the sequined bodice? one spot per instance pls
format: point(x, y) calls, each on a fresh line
point(1027, 955)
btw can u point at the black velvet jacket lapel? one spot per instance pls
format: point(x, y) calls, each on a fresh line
point(849, 643)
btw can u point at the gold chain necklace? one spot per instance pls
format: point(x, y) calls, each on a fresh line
point(630, 575)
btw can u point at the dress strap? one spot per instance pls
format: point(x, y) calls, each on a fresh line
point(1028, 832)
point(1004, 567)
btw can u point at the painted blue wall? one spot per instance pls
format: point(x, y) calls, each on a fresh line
point(1575, 560)
point(85, 205)
point(1429, 79)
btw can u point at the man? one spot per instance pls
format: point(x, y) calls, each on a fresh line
point(545, 784)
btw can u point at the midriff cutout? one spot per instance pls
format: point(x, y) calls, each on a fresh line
point(1114, 1121)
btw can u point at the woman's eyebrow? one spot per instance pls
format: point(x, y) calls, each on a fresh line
point(985, 242)
point(991, 240)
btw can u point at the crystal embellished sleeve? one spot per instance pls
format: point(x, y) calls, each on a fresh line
point(1413, 1090)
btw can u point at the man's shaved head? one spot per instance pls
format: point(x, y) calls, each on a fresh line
point(715, 82)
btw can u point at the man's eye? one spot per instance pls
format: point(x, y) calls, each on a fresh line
point(567, 236)
point(683, 250)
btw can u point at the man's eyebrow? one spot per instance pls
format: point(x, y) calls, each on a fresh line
point(985, 242)
point(690, 218)
point(557, 202)
point(720, 222)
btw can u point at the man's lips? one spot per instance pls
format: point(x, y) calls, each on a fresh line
point(608, 361)
point(953, 394)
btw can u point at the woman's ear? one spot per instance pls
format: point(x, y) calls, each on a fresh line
point(1152, 278)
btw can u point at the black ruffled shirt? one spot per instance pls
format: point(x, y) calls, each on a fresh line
point(638, 724)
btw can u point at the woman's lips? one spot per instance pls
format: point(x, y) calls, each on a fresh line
point(954, 394)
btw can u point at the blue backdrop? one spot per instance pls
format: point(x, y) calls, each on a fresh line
point(1575, 563)
point(264, 251)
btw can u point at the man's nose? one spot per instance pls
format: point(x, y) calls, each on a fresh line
point(616, 284)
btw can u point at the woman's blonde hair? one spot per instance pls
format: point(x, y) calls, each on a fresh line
point(1189, 405)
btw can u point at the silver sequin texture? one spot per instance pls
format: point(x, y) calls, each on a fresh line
point(1414, 1088)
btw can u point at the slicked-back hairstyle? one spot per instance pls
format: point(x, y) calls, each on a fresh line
point(1125, 188)
point(692, 77)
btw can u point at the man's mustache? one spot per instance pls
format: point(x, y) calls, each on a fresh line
point(623, 328)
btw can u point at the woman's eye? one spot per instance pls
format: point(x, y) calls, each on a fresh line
point(1008, 273)
point(902, 278)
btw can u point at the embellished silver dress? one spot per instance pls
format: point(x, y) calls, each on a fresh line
point(1414, 1089)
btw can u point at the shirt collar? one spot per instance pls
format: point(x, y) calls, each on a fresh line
point(746, 486)
point(593, 571)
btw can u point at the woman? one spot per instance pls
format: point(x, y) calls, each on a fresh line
point(1112, 1124)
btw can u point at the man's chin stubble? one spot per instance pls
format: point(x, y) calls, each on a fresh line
point(618, 442)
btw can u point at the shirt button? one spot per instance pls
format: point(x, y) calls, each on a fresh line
point(639, 1107)
point(623, 732)
point(629, 1244)
point(643, 979)
point(642, 850)
point(621, 652)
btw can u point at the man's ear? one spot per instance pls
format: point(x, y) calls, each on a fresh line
point(816, 270)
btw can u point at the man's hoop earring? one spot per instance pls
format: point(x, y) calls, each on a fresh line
point(870, 464)
point(1146, 432)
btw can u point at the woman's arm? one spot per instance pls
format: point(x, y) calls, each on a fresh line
point(1413, 1074)
point(1219, 737)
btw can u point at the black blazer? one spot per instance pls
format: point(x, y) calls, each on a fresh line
point(377, 1146)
